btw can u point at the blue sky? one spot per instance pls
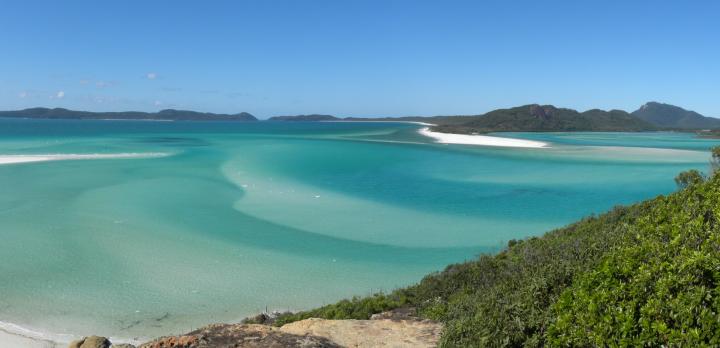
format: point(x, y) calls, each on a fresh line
point(358, 58)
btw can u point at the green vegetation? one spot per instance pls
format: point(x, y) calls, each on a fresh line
point(715, 159)
point(643, 275)
point(167, 115)
point(356, 308)
point(661, 290)
point(690, 177)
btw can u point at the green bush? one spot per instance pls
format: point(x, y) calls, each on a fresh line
point(355, 308)
point(689, 177)
point(661, 290)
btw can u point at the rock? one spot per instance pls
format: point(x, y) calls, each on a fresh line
point(370, 333)
point(239, 336)
point(91, 342)
point(124, 345)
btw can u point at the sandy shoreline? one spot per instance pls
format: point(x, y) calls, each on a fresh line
point(12, 340)
point(14, 159)
point(12, 336)
point(16, 336)
point(484, 140)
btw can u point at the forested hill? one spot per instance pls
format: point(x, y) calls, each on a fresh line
point(547, 118)
point(166, 115)
point(670, 116)
point(527, 118)
point(646, 275)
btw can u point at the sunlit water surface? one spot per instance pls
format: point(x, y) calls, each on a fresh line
point(226, 219)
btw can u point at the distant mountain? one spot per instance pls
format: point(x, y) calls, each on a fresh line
point(168, 115)
point(545, 118)
point(313, 117)
point(670, 116)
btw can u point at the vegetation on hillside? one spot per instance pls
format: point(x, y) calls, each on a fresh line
point(673, 117)
point(661, 290)
point(643, 275)
point(547, 118)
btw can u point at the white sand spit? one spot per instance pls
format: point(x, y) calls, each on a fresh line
point(485, 140)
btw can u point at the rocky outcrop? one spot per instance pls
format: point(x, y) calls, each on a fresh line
point(398, 328)
point(370, 333)
point(91, 342)
point(240, 335)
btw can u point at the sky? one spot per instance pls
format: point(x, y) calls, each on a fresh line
point(358, 58)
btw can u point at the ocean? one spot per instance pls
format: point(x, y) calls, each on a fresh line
point(135, 229)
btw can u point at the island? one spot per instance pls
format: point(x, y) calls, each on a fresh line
point(163, 115)
point(652, 116)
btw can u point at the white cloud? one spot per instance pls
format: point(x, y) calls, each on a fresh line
point(84, 82)
point(158, 103)
point(151, 76)
point(60, 94)
point(102, 84)
point(23, 94)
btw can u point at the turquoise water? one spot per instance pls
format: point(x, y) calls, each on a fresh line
point(226, 219)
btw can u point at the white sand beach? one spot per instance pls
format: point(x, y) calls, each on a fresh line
point(12, 336)
point(485, 140)
point(16, 336)
point(13, 159)
point(15, 340)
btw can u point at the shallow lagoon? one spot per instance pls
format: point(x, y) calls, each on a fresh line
point(239, 216)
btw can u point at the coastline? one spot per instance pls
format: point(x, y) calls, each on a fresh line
point(483, 140)
point(13, 335)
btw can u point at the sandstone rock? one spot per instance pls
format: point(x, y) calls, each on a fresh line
point(124, 345)
point(370, 333)
point(239, 336)
point(91, 342)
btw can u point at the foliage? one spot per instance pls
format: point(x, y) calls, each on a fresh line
point(715, 159)
point(689, 177)
point(355, 308)
point(660, 291)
